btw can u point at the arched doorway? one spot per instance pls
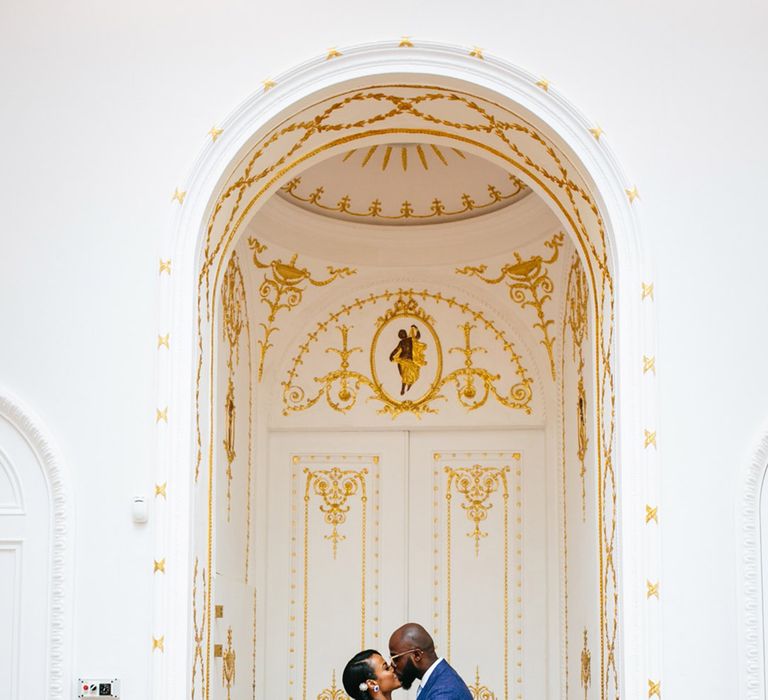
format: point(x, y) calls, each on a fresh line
point(493, 113)
point(36, 558)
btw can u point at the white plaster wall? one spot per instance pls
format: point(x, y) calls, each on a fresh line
point(104, 107)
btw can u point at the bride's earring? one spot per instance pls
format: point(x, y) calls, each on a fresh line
point(375, 687)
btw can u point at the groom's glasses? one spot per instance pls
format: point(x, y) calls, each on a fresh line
point(402, 653)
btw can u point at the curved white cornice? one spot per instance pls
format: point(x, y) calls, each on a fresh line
point(446, 243)
point(61, 546)
point(750, 579)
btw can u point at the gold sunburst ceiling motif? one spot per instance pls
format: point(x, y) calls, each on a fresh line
point(404, 184)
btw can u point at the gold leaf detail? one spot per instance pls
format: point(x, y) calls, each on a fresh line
point(477, 484)
point(283, 288)
point(529, 285)
point(335, 486)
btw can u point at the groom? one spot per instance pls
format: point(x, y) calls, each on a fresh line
point(412, 655)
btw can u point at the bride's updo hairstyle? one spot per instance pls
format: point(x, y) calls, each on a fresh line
point(357, 671)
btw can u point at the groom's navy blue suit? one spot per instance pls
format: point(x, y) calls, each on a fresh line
point(444, 684)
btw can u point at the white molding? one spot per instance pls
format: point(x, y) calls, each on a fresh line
point(750, 579)
point(639, 656)
point(61, 543)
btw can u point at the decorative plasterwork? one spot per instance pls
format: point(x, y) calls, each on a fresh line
point(529, 285)
point(282, 288)
point(405, 183)
point(61, 555)
point(412, 347)
point(480, 691)
point(199, 625)
point(577, 320)
point(616, 230)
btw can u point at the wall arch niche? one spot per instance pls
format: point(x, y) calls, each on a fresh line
point(289, 280)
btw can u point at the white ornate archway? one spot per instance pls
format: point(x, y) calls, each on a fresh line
point(61, 559)
point(186, 257)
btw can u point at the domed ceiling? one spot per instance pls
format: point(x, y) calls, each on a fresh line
point(404, 184)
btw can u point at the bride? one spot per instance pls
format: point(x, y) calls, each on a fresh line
point(368, 676)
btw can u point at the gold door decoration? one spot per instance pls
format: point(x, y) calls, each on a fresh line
point(475, 486)
point(479, 691)
point(429, 111)
point(529, 285)
point(334, 487)
point(333, 693)
point(473, 385)
point(283, 287)
point(228, 659)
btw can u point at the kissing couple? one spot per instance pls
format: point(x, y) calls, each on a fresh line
point(369, 676)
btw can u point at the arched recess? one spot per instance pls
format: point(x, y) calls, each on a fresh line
point(561, 159)
point(752, 515)
point(60, 544)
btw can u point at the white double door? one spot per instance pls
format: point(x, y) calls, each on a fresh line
point(368, 530)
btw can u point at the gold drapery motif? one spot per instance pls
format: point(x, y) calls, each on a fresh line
point(529, 285)
point(283, 287)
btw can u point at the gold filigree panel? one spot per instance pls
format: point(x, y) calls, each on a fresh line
point(529, 285)
point(282, 289)
point(407, 370)
point(480, 691)
point(335, 531)
point(480, 489)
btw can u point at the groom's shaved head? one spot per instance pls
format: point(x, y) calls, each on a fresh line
point(413, 635)
point(412, 650)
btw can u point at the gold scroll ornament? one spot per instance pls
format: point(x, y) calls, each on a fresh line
point(480, 692)
point(336, 486)
point(529, 285)
point(477, 484)
point(332, 693)
point(283, 287)
point(473, 385)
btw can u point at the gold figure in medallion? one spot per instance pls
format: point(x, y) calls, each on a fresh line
point(409, 356)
